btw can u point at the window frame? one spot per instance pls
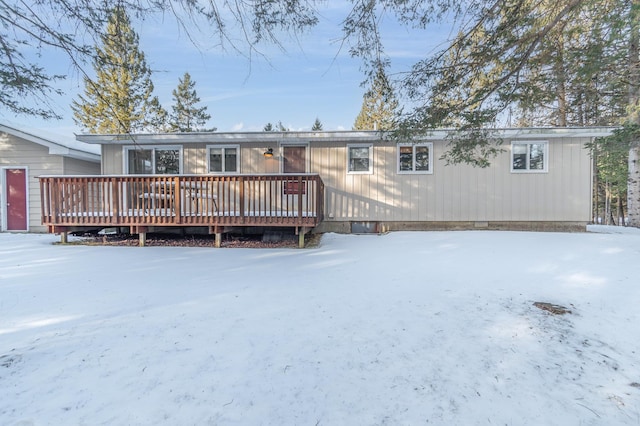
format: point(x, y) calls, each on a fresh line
point(413, 158)
point(528, 143)
point(152, 148)
point(369, 146)
point(223, 147)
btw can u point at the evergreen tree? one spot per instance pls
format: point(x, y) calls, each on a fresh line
point(280, 127)
point(186, 116)
point(610, 158)
point(317, 125)
point(277, 128)
point(157, 117)
point(379, 105)
point(120, 98)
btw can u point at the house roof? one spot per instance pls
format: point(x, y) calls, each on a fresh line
point(327, 136)
point(57, 145)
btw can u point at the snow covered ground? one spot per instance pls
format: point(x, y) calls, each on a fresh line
point(402, 329)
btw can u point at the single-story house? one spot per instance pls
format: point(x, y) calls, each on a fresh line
point(347, 181)
point(25, 155)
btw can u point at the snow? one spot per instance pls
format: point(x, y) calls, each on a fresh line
point(404, 328)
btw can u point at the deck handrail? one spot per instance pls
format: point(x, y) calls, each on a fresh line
point(182, 200)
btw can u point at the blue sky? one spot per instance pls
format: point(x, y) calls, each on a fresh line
point(312, 78)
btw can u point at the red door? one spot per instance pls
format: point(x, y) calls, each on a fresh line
point(16, 197)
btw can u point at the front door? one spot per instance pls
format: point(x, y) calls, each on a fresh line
point(294, 159)
point(16, 199)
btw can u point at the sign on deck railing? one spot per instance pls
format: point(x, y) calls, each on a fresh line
point(292, 187)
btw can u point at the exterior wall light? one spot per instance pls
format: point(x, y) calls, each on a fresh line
point(268, 153)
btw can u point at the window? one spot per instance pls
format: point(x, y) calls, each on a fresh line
point(529, 156)
point(360, 159)
point(224, 159)
point(153, 160)
point(414, 158)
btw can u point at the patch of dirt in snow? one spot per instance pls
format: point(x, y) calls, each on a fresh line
point(552, 308)
point(582, 359)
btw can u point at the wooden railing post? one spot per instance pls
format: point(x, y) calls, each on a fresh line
point(115, 194)
point(241, 183)
point(319, 210)
point(177, 197)
point(300, 191)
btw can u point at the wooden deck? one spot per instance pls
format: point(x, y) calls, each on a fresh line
point(214, 201)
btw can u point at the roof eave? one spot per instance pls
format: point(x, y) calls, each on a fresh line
point(53, 147)
point(222, 137)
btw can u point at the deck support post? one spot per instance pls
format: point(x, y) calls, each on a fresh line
point(301, 233)
point(62, 230)
point(142, 234)
point(218, 242)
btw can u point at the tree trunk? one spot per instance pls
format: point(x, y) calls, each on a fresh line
point(607, 205)
point(633, 186)
point(633, 183)
point(596, 185)
point(561, 83)
point(621, 219)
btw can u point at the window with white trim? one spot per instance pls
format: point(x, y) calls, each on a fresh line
point(360, 159)
point(529, 157)
point(415, 158)
point(223, 158)
point(163, 160)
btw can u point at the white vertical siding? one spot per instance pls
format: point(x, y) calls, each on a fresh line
point(460, 192)
point(112, 160)
point(451, 193)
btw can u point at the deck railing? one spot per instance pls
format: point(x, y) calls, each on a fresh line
point(294, 200)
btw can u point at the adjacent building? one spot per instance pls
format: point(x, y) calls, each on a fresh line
point(25, 155)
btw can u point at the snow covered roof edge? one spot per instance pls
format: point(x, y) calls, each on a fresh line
point(57, 144)
point(439, 134)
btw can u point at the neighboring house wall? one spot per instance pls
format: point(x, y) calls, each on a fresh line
point(16, 152)
point(448, 194)
point(36, 159)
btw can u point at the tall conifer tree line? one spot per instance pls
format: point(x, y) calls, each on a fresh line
point(120, 99)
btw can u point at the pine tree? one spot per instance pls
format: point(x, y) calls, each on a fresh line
point(317, 125)
point(379, 105)
point(280, 127)
point(186, 116)
point(277, 128)
point(119, 99)
point(157, 117)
